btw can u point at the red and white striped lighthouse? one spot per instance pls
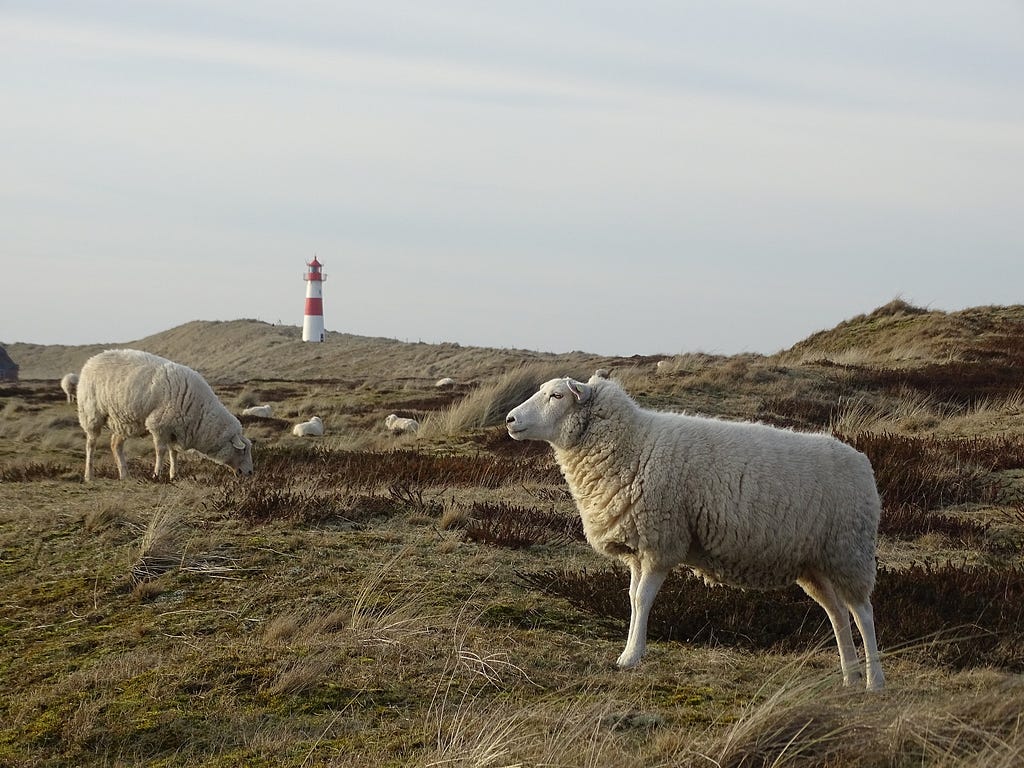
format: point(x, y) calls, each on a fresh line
point(313, 320)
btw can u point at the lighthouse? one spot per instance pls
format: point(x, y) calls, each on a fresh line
point(313, 320)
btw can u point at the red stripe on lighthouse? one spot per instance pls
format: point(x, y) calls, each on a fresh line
point(314, 306)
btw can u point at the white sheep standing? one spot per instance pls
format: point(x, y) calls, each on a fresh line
point(134, 392)
point(312, 428)
point(400, 426)
point(69, 383)
point(263, 411)
point(739, 503)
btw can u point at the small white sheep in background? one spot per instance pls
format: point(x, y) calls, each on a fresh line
point(263, 411)
point(133, 392)
point(739, 503)
point(399, 426)
point(445, 383)
point(663, 367)
point(312, 428)
point(69, 383)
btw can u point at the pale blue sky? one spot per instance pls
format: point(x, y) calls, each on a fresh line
point(621, 178)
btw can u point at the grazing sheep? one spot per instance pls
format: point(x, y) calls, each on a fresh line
point(133, 392)
point(263, 411)
point(445, 383)
point(739, 503)
point(312, 428)
point(69, 383)
point(399, 426)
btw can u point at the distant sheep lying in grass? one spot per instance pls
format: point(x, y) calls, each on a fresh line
point(445, 383)
point(312, 428)
point(396, 425)
point(69, 383)
point(263, 411)
point(134, 392)
point(739, 503)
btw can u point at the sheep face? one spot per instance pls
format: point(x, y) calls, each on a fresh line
point(235, 453)
point(553, 414)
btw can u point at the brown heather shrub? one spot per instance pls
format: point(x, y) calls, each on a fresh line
point(909, 522)
point(31, 471)
point(955, 615)
point(507, 525)
point(687, 610)
point(962, 383)
point(797, 412)
point(496, 440)
point(257, 501)
point(930, 472)
point(43, 392)
point(974, 614)
point(375, 470)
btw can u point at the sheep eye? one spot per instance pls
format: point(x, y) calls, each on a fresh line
point(556, 395)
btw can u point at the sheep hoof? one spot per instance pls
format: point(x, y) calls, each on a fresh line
point(853, 680)
point(627, 661)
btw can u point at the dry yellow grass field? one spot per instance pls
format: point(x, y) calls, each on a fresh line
point(371, 599)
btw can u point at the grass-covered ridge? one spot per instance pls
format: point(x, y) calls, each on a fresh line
point(366, 599)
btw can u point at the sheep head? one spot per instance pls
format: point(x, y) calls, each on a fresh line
point(554, 414)
point(235, 452)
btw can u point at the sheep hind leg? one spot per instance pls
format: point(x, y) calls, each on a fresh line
point(163, 448)
point(160, 448)
point(117, 448)
point(864, 615)
point(643, 587)
point(821, 590)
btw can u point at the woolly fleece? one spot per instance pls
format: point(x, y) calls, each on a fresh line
point(134, 392)
point(739, 503)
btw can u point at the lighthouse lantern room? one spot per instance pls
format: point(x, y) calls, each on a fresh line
point(313, 320)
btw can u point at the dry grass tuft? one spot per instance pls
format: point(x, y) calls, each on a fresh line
point(788, 723)
point(488, 405)
point(161, 549)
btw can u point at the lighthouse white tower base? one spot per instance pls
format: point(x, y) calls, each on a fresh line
point(313, 328)
point(313, 318)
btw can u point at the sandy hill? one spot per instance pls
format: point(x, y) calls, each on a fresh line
point(243, 350)
point(900, 334)
point(895, 335)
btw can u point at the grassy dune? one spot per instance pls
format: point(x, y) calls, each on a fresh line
point(367, 599)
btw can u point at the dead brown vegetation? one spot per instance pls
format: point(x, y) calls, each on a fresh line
point(955, 615)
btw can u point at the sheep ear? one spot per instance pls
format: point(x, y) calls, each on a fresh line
point(238, 443)
point(579, 390)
